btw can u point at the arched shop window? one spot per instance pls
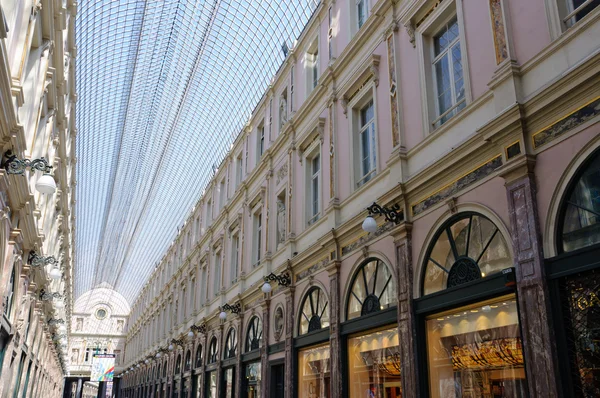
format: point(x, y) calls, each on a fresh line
point(575, 281)
point(158, 371)
point(199, 356)
point(253, 334)
point(178, 364)
point(579, 224)
point(212, 350)
point(466, 248)
point(373, 352)
point(230, 345)
point(315, 311)
point(373, 289)
point(472, 348)
point(188, 360)
point(165, 369)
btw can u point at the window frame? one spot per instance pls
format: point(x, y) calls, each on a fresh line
point(258, 335)
point(235, 254)
point(260, 141)
point(218, 259)
point(257, 230)
point(311, 153)
point(367, 95)
point(424, 35)
point(311, 66)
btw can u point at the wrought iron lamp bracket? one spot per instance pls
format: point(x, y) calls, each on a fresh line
point(283, 279)
point(234, 309)
point(199, 329)
point(392, 214)
point(14, 165)
point(45, 296)
point(35, 260)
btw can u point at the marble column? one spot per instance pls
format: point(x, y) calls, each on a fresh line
point(532, 288)
point(289, 341)
point(203, 341)
point(406, 316)
point(264, 350)
point(239, 324)
point(334, 329)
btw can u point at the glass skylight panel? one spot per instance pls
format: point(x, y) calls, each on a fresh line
point(160, 83)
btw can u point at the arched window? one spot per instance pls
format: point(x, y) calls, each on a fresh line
point(579, 217)
point(158, 371)
point(373, 289)
point(253, 334)
point(178, 364)
point(212, 350)
point(230, 345)
point(315, 311)
point(188, 360)
point(466, 248)
point(199, 356)
point(165, 369)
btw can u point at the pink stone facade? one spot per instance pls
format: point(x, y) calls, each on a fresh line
point(504, 149)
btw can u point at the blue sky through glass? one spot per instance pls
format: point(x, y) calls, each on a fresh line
point(164, 87)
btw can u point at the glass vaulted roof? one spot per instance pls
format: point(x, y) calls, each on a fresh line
point(164, 87)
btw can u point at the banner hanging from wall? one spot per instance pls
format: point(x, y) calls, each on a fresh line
point(103, 367)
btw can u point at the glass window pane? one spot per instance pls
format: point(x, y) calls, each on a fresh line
point(459, 89)
point(253, 380)
point(476, 351)
point(442, 78)
point(581, 223)
point(314, 372)
point(374, 364)
point(459, 231)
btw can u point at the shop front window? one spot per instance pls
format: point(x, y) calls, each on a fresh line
point(581, 210)
point(253, 380)
point(230, 350)
point(373, 290)
point(211, 384)
point(467, 248)
point(314, 372)
point(476, 351)
point(374, 364)
point(228, 381)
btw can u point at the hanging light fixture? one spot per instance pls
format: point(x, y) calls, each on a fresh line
point(392, 214)
point(190, 335)
point(223, 315)
point(55, 273)
point(45, 184)
point(266, 288)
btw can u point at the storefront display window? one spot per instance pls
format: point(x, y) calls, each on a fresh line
point(230, 350)
point(315, 311)
point(314, 372)
point(475, 351)
point(581, 210)
point(213, 350)
point(374, 364)
point(211, 384)
point(467, 248)
point(580, 301)
point(228, 383)
point(372, 290)
point(253, 380)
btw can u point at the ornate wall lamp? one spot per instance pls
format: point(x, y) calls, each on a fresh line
point(283, 279)
point(54, 322)
point(234, 309)
point(393, 214)
point(174, 342)
point(45, 184)
point(161, 351)
point(45, 296)
point(196, 329)
point(35, 260)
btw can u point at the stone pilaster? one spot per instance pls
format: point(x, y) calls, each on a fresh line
point(264, 350)
point(406, 316)
point(239, 322)
point(219, 369)
point(203, 341)
point(289, 342)
point(532, 289)
point(334, 328)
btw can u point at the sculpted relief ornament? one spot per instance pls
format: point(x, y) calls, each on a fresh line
point(282, 112)
point(281, 217)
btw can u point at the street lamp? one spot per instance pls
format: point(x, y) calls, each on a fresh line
point(45, 184)
point(234, 309)
point(55, 274)
point(392, 214)
point(283, 279)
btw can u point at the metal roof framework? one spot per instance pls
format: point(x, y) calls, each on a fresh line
point(164, 87)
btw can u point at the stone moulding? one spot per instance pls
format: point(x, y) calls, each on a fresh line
point(457, 185)
point(568, 122)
